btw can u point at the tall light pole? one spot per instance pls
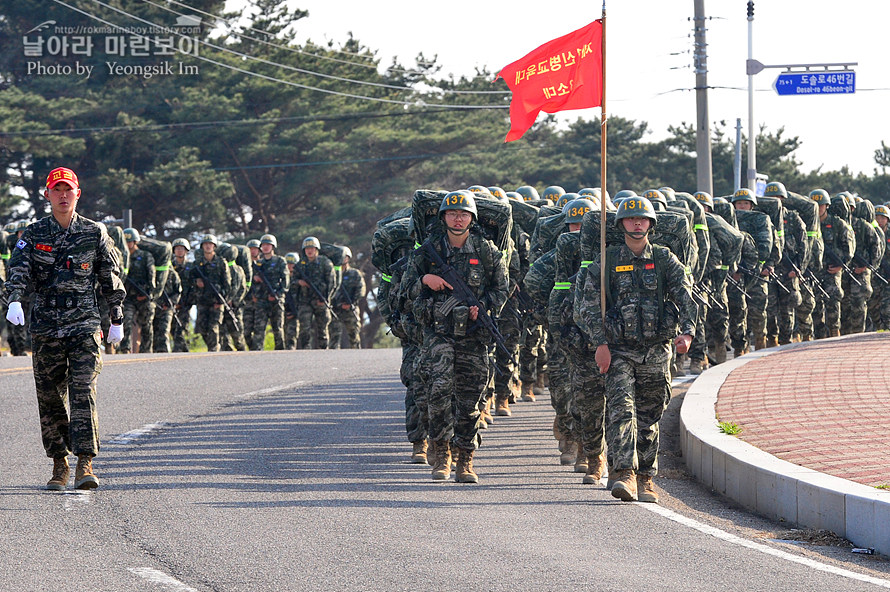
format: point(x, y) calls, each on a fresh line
point(704, 170)
point(752, 138)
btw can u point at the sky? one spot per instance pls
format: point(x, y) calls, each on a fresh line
point(649, 75)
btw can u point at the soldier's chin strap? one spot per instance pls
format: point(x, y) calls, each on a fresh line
point(457, 232)
point(636, 235)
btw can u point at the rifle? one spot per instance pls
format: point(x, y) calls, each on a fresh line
point(266, 283)
point(462, 292)
point(318, 293)
point(836, 261)
point(786, 260)
point(814, 281)
point(774, 277)
point(735, 284)
point(228, 310)
point(860, 261)
point(713, 296)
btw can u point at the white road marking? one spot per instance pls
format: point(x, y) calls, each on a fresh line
point(158, 577)
point(736, 540)
point(132, 436)
point(272, 389)
point(74, 497)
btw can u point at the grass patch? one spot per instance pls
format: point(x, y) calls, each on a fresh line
point(728, 427)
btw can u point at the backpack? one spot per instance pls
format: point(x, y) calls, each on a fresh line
point(772, 207)
point(758, 225)
point(494, 218)
point(525, 215)
point(162, 251)
point(391, 242)
point(700, 231)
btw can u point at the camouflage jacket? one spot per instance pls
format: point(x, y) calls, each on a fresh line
point(140, 274)
point(839, 240)
point(568, 262)
point(239, 285)
point(275, 270)
point(649, 301)
point(319, 273)
point(352, 288)
point(66, 269)
point(216, 272)
point(478, 262)
point(797, 246)
point(172, 291)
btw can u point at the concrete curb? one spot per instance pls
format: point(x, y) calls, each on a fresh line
point(772, 487)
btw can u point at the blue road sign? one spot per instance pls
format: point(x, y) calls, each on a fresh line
point(816, 83)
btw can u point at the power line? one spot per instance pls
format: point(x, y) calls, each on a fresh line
point(272, 78)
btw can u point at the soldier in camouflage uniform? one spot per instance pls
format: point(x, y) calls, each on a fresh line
point(18, 335)
point(182, 308)
point(210, 282)
point(839, 246)
point(315, 276)
point(457, 356)
point(346, 303)
point(62, 258)
point(291, 308)
point(757, 281)
point(867, 255)
point(232, 330)
point(249, 307)
point(879, 303)
point(649, 302)
point(139, 308)
point(165, 309)
point(785, 298)
point(270, 283)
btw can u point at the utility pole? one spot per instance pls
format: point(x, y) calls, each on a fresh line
point(704, 169)
point(752, 137)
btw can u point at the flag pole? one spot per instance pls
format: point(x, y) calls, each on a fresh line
point(603, 193)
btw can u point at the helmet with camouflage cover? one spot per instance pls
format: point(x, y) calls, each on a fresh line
point(821, 197)
point(311, 241)
point(209, 238)
point(479, 190)
point(514, 195)
point(253, 243)
point(656, 196)
point(566, 198)
point(21, 225)
point(131, 235)
point(704, 198)
point(269, 239)
point(181, 242)
point(719, 199)
point(497, 192)
point(553, 193)
point(632, 207)
point(590, 191)
point(669, 193)
point(744, 194)
point(528, 193)
point(775, 189)
point(292, 258)
point(459, 200)
point(575, 210)
point(10, 227)
point(882, 210)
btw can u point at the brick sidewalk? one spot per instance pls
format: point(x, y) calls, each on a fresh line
point(824, 405)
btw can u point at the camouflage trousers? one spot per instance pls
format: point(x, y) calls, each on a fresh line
point(854, 304)
point(716, 325)
point(180, 329)
point(207, 323)
point(65, 374)
point(457, 369)
point(757, 301)
point(803, 314)
point(879, 305)
point(560, 382)
point(350, 328)
point(699, 348)
point(416, 412)
point(247, 313)
point(738, 318)
point(780, 309)
point(142, 313)
point(291, 328)
point(638, 390)
point(269, 312)
point(314, 320)
point(511, 329)
point(17, 335)
point(532, 350)
point(827, 312)
point(588, 404)
point(161, 329)
point(231, 332)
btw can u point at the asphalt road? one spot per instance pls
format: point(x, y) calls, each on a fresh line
point(288, 471)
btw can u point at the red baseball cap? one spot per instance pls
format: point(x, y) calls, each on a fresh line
point(61, 174)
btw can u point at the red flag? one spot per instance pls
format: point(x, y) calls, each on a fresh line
point(563, 74)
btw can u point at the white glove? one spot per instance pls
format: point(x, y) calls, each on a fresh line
point(15, 314)
point(115, 334)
